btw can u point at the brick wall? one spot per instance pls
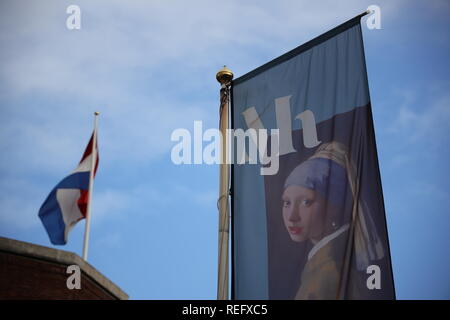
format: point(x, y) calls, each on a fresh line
point(29, 278)
point(28, 271)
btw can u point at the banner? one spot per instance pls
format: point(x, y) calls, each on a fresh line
point(312, 227)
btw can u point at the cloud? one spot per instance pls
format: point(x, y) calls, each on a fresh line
point(19, 202)
point(425, 120)
point(111, 240)
point(138, 63)
point(116, 39)
point(146, 70)
point(109, 204)
point(112, 203)
point(204, 198)
point(431, 190)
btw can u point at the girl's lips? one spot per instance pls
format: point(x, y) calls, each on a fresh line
point(295, 230)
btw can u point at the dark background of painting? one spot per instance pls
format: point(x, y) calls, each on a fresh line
point(286, 258)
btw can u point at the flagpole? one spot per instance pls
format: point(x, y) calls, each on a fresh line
point(224, 76)
point(91, 187)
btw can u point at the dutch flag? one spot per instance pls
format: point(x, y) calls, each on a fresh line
point(67, 203)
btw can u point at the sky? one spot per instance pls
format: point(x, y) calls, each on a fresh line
point(149, 68)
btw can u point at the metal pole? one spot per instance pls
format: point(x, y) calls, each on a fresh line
point(91, 188)
point(224, 76)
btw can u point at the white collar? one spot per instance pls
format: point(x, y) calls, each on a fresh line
point(326, 239)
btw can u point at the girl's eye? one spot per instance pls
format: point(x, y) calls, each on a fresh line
point(306, 202)
point(286, 203)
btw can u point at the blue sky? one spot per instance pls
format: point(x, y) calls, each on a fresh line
point(149, 67)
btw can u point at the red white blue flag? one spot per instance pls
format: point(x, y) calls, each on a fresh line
point(67, 203)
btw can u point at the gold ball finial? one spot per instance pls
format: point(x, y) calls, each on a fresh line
point(96, 113)
point(224, 76)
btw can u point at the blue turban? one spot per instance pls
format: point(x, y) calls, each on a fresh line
point(321, 175)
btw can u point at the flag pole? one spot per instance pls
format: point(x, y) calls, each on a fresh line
point(91, 187)
point(224, 76)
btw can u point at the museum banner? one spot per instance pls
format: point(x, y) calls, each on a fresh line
point(311, 223)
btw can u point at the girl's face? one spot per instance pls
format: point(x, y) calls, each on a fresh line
point(303, 213)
